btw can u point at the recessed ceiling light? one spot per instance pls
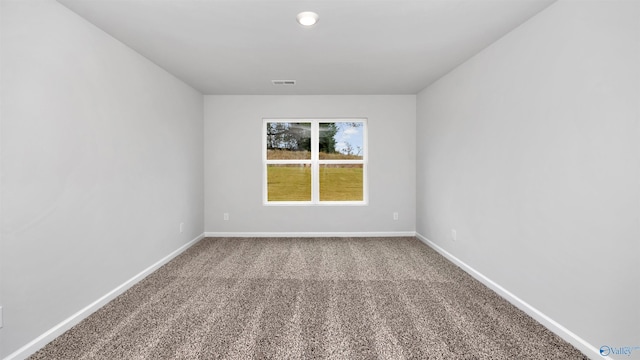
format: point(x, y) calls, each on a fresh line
point(307, 18)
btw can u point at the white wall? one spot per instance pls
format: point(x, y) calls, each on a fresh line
point(102, 158)
point(233, 169)
point(531, 151)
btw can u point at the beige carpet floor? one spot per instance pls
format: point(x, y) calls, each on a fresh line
point(304, 298)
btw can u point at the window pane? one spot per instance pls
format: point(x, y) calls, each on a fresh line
point(289, 182)
point(341, 140)
point(341, 182)
point(288, 140)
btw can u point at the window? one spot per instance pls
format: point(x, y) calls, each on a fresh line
point(315, 162)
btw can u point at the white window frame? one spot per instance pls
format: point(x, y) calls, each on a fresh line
point(315, 162)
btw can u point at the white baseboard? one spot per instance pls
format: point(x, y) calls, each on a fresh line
point(311, 234)
point(581, 344)
point(42, 340)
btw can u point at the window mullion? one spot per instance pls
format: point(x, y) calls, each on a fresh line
point(315, 174)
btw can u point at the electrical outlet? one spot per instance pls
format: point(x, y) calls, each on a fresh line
point(395, 215)
point(181, 227)
point(226, 216)
point(454, 234)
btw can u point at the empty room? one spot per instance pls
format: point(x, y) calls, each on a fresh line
point(311, 179)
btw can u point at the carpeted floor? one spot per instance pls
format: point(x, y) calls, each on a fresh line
point(302, 298)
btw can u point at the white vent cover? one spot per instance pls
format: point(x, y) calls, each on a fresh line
point(283, 82)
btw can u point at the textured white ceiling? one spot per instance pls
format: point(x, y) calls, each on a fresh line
point(357, 47)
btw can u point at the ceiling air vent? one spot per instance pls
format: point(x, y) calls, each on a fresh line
point(283, 82)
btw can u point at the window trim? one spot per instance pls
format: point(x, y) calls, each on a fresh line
point(315, 163)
